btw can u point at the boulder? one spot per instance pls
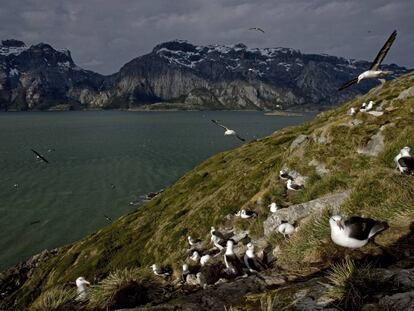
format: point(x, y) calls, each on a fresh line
point(374, 146)
point(299, 211)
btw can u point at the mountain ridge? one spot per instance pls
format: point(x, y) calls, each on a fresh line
point(180, 75)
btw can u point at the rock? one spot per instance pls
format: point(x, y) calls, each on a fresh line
point(354, 122)
point(298, 141)
point(321, 136)
point(374, 146)
point(300, 211)
point(406, 93)
point(320, 168)
point(376, 113)
point(398, 302)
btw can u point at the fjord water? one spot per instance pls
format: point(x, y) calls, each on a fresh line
point(99, 162)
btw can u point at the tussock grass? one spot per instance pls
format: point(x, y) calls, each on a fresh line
point(124, 288)
point(351, 284)
point(56, 299)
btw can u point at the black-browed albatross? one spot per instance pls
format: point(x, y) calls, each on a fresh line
point(257, 29)
point(39, 156)
point(228, 131)
point(354, 232)
point(374, 72)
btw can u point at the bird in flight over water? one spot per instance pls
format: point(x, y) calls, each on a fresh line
point(228, 131)
point(374, 72)
point(39, 156)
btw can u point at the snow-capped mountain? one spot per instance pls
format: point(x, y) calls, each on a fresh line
point(39, 77)
point(178, 74)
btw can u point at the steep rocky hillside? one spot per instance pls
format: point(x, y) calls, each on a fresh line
point(179, 75)
point(347, 162)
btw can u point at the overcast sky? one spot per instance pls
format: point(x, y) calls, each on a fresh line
point(105, 34)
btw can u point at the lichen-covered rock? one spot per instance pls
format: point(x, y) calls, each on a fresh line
point(299, 211)
point(374, 146)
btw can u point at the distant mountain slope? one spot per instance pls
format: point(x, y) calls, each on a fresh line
point(338, 153)
point(178, 74)
point(40, 77)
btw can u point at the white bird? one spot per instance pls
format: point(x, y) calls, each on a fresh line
point(286, 229)
point(204, 259)
point(273, 207)
point(354, 232)
point(217, 238)
point(374, 72)
point(160, 271)
point(292, 186)
point(250, 259)
point(193, 242)
point(351, 111)
point(366, 108)
point(284, 174)
point(228, 132)
point(232, 262)
point(404, 161)
point(246, 214)
point(195, 257)
point(257, 29)
point(82, 289)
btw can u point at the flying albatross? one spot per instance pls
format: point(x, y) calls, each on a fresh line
point(257, 29)
point(404, 161)
point(39, 156)
point(228, 131)
point(355, 231)
point(374, 72)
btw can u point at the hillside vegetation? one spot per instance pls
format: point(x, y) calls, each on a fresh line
point(248, 177)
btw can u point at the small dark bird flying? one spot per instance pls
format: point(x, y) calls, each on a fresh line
point(39, 156)
point(257, 29)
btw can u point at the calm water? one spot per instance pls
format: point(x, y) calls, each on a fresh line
point(101, 161)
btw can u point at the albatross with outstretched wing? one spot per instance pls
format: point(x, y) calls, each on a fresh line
point(374, 72)
point(228, 132)
point(257, 29)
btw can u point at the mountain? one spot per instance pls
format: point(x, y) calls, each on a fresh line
point(180, 75)
point(39, 77)
point(347, 166)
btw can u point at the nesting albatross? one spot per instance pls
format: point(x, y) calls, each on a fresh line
point(354, 232)
point(404, 161)
point(374, 72)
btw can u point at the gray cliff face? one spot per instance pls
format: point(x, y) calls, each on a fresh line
point(40, 77)
point(179, 73)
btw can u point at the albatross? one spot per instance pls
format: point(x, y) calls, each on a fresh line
point(232, 262)
point(250, 259)
point(404, 161)
point(374, 72)
point(39, 156)
point(257, 29)
point(82, 289)
point(354, 232)
point(228, 131)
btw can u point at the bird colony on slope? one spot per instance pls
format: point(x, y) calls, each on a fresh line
point(205, 266)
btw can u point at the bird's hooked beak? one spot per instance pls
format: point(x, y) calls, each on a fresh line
point(338, 222)
point(87, 283)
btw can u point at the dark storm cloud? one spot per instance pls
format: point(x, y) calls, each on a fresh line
point(103, 35)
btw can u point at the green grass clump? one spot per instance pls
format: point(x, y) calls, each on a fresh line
point(350, 284)
point(124, 288)
point(56, 299)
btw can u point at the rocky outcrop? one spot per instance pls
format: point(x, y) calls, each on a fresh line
point(180, 75)
point(299, 211)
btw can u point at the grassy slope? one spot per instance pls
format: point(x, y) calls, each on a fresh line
point(247, 176)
